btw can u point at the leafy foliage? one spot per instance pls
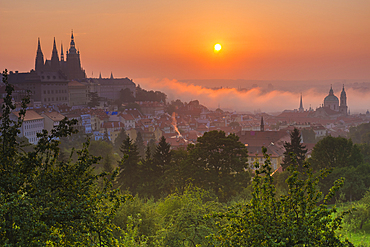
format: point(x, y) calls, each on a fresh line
point(296, 219)
point(144, 95)
point(44, 201)
point(183, 215)
point(219, 162)
point(360, 133)
point(333, 152)
point(361, 214)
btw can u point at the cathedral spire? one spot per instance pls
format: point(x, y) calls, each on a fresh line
point(61, 52)
point(39, 61)
point(54, 58)
point(38, 46)
point(301, 109)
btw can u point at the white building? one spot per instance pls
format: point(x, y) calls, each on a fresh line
point(33, 123)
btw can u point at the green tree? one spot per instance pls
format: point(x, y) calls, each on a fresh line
point(122, 136)
point(361, 214)
point(107, 164)
point(161, 164)
point(219, 163)
point(101, 149)
point(126, 96)
point(358, 133)
point(148, 185)
point(294, 148)
point(94, 99)
point(44, 201)
point(356, 179)
point(129, 176)
point(140, 144)
point(333, 152)
point(183, 215)
point(299, 218)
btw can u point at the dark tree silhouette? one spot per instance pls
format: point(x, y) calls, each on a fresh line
point(294, 149)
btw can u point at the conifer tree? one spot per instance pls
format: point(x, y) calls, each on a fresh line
point(140, 144)
point(122, 136)
point(129, 176)
point(295, 148)
point(161, 164)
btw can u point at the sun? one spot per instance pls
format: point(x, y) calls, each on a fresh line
point(217, 47)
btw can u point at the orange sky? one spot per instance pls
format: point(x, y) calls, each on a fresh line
point(264, 39)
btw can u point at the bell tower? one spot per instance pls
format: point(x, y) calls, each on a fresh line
point(343, 102)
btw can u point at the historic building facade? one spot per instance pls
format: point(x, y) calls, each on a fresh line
point(71, 68)
point(332, 102)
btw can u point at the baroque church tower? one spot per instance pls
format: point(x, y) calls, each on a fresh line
point(343, 102)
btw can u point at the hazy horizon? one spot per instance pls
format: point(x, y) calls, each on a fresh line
point(296, 46)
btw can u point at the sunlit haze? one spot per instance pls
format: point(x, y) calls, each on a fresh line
point(281, 41)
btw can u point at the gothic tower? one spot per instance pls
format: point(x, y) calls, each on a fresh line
point(61, 53)
point(301, 109)
point(54, 58)
point(74, 70)
point(39, 62)
point(343, 102)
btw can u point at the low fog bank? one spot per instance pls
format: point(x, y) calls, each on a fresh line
point(264, 96)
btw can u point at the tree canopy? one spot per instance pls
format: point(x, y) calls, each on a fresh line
point(219, 162)
point(45, 201)
point(299, 218)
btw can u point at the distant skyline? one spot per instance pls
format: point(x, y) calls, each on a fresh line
point(261, 40)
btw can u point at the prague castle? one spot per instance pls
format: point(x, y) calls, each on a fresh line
point(71, 68)
point(63, 81)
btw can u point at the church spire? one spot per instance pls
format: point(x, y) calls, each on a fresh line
point(262, 127)
point(111, 75)
point(301, 109)
point(61, 52)
point(54, 58)
point(331, 92)
point(72, 48)
point(39, 61)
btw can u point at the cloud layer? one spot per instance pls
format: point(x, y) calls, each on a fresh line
point(253, 99)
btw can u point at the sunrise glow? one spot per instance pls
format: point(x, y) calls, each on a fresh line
point(217, 47)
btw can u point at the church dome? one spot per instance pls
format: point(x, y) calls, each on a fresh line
point(331, 98)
